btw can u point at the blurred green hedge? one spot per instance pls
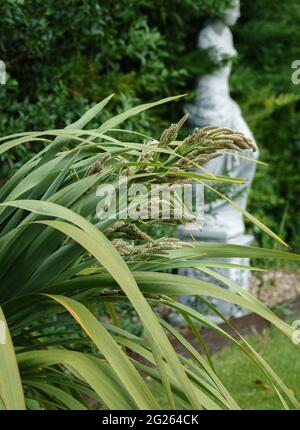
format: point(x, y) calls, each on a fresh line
point(268, 40)
point(64, 56)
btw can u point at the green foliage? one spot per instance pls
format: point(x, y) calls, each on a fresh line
point(63, 56)
point(57, 261)
point(268, 39)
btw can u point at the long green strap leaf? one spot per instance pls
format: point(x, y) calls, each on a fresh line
point(118, 119)
point(101, 248)
point(11, 391)
point(89, 368)
point(111, 351)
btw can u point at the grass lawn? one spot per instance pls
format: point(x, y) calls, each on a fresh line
point(249, 387)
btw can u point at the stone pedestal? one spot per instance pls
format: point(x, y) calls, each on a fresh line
point(238, 276)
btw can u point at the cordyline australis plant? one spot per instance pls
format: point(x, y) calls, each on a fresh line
point(58, 262)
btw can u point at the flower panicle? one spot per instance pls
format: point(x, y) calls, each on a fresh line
point(170, 134)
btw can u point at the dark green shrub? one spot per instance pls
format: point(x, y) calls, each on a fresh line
point(63, 56)
point(268, 39)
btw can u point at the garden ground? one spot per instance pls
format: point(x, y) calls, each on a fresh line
point(250, 387)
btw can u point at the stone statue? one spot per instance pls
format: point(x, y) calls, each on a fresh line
point(214, 106)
